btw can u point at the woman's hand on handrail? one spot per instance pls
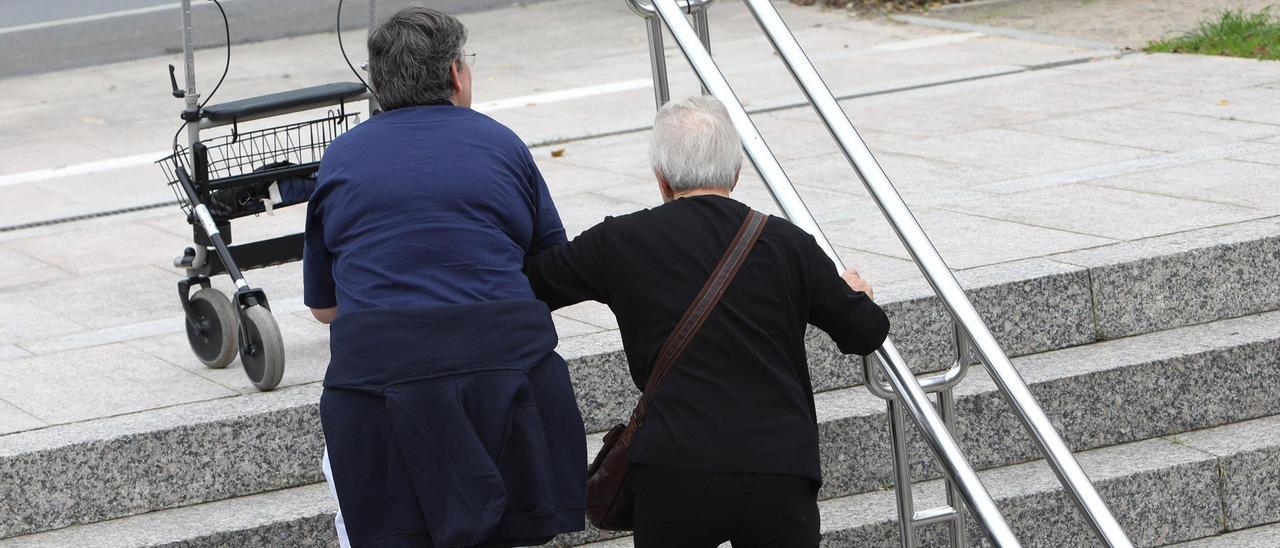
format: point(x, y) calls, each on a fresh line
point(856, 282)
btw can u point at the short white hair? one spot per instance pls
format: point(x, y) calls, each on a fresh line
point(695, 146)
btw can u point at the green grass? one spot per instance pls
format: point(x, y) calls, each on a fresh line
point(1233, 34)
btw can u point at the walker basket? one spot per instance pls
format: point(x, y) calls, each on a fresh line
point(254, 156)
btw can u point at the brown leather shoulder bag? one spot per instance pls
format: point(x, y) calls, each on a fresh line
point(609, 498)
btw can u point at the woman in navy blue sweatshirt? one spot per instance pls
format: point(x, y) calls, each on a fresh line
point(449, 420)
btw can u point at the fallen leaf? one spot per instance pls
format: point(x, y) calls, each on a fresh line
point(1223, 102)
point(557, 153)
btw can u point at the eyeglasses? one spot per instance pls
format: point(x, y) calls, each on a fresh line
point(469, 59)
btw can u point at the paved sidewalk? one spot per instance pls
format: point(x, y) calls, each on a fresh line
point(1006, 149)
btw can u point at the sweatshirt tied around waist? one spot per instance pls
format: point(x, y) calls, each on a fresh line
point(463, 416)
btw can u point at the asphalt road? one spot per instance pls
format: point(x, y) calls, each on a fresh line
point(44, 36)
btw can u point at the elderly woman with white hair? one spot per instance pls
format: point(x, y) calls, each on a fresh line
point(728, 447)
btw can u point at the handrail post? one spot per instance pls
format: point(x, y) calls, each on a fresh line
point(902, 475)
point(939, 276)
point(657, 61)
point(915, 402)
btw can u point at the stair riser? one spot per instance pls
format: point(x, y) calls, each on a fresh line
point(310, 532)
point(1093, 410)
point(92, 482)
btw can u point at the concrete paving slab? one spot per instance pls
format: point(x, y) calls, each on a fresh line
point(102, 336)
point(1106, 212)
point(25, 320)
point(1178, 75)
point(1255, 104)
point(26, 203)
point(1234, 182)
point(116, 297)
point(1150, 129)
point(590, 313)
point(567, 327)
point(1019, 152)
point(1045, 93)
point(306, 354)
point(965, 241)
point(13, 419)
point(127, 245)
point(1271, 157)
point(924, 118)
point(17, 269)
point(12, 352)
point(878, 270)
point(52, 388)
point(1125, 167)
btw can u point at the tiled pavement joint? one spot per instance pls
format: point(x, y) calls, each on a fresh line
point(1127, 167)
point(1006, 32)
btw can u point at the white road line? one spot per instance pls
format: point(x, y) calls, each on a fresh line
point(81, 169)
point(90, 18)
point(490, 106)
point(932, 41)
point(563, 95)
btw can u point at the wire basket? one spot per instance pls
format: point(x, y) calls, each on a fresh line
point(258, 151)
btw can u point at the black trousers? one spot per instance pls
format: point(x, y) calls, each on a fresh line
point(686, 509)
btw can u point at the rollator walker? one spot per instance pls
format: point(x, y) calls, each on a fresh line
point(236, 174)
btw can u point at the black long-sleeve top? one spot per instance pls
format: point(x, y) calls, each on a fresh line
point(739, 399)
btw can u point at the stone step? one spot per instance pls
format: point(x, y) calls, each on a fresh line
point(1101, 394)
point(299, 516)
point(1257, 537)
point(1163, 490)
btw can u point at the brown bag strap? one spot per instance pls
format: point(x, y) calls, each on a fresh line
point(699, 310)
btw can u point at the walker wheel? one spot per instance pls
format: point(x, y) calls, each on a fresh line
point(213, 335)
point(261, 348)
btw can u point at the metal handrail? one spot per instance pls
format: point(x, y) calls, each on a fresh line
point(935, 382)
point(940, 277)
point(900, 378)
point(646, 9)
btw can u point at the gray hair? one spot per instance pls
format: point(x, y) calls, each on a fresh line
point(695, 146)
point(410, 56)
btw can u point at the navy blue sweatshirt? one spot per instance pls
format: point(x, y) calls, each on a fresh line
point(453, 426)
